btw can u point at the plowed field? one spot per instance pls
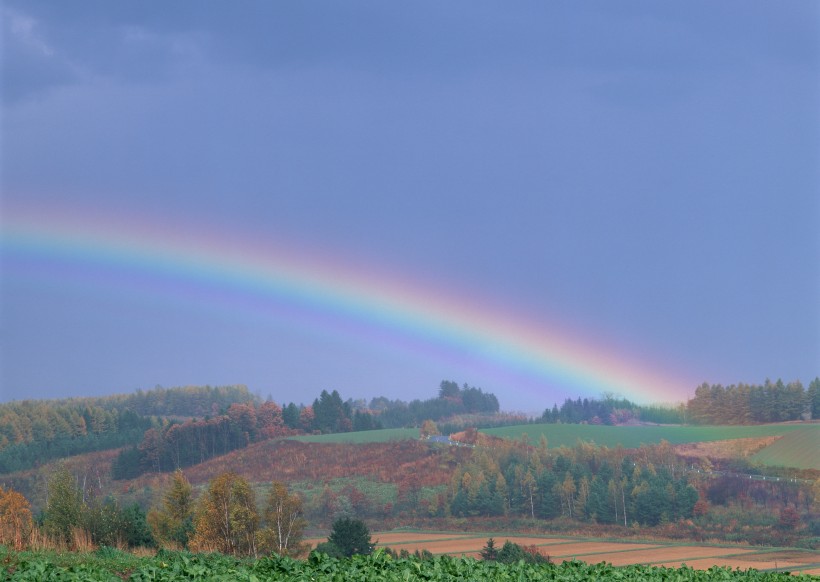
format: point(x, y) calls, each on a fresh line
point(616, 553)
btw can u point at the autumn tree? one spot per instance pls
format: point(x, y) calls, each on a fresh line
point(15, 519)
point(428, 429)
point(173, 524)
point(284, 522)
point(226, 519)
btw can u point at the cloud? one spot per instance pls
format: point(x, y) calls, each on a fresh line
point(31, 65)
point(24, 30)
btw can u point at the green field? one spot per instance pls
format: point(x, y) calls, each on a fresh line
point(611, 436)
point(366, 436)
point(634, 436)
point(799, 448)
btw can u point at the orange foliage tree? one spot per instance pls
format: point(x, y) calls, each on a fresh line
point(15, 519)
point(227, 520)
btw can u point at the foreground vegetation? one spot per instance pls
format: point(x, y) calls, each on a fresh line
point(111, 565)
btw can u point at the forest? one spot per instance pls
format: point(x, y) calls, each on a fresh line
point(712, 404)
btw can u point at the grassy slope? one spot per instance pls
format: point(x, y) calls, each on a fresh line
point(799, 448)
point(633, 436)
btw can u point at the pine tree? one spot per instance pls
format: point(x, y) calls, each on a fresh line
point(351, 536)
point(488, 552)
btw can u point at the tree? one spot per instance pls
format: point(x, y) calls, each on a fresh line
point(64, 508)
point(173, 524)
point(814, 398)
point(284, 521)
point(428, 429)
point(15, 519)
point(351, 536)
point(448, 389)
point(489, 551)
point(226, 519)
point(511, 553)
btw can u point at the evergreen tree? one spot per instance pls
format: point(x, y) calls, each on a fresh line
point(351, 536)
point(489, 552)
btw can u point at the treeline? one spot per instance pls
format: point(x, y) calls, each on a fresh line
point(585, 483)
point(184, 401)
point(34, 431)
point(749, 403)
point(611, 411)
point(712, 404)
point(452, 401)
point(329, 414)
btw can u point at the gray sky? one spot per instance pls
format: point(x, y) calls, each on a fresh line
point(644, 173)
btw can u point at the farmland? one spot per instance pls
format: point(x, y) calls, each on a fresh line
point(797, 448)
point(634, 436)
point(618, 553)
point(559, 435)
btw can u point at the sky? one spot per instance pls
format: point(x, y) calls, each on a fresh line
point(541, 199)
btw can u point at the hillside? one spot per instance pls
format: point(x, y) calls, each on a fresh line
point(798, 448)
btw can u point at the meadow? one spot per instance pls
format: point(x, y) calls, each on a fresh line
point(634, 436)
point(798, 448)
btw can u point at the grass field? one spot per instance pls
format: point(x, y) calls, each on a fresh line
point(618, 553)
point(633, 436)
point(799, 448)
point(366, 436)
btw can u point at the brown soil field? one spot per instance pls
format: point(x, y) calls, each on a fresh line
point(803, 556)
point(581, 549)
point(385, 539)
point(615, 553)
point(467, 546)
point(654, 554)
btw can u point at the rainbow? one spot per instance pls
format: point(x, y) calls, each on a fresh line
point(357, 300)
